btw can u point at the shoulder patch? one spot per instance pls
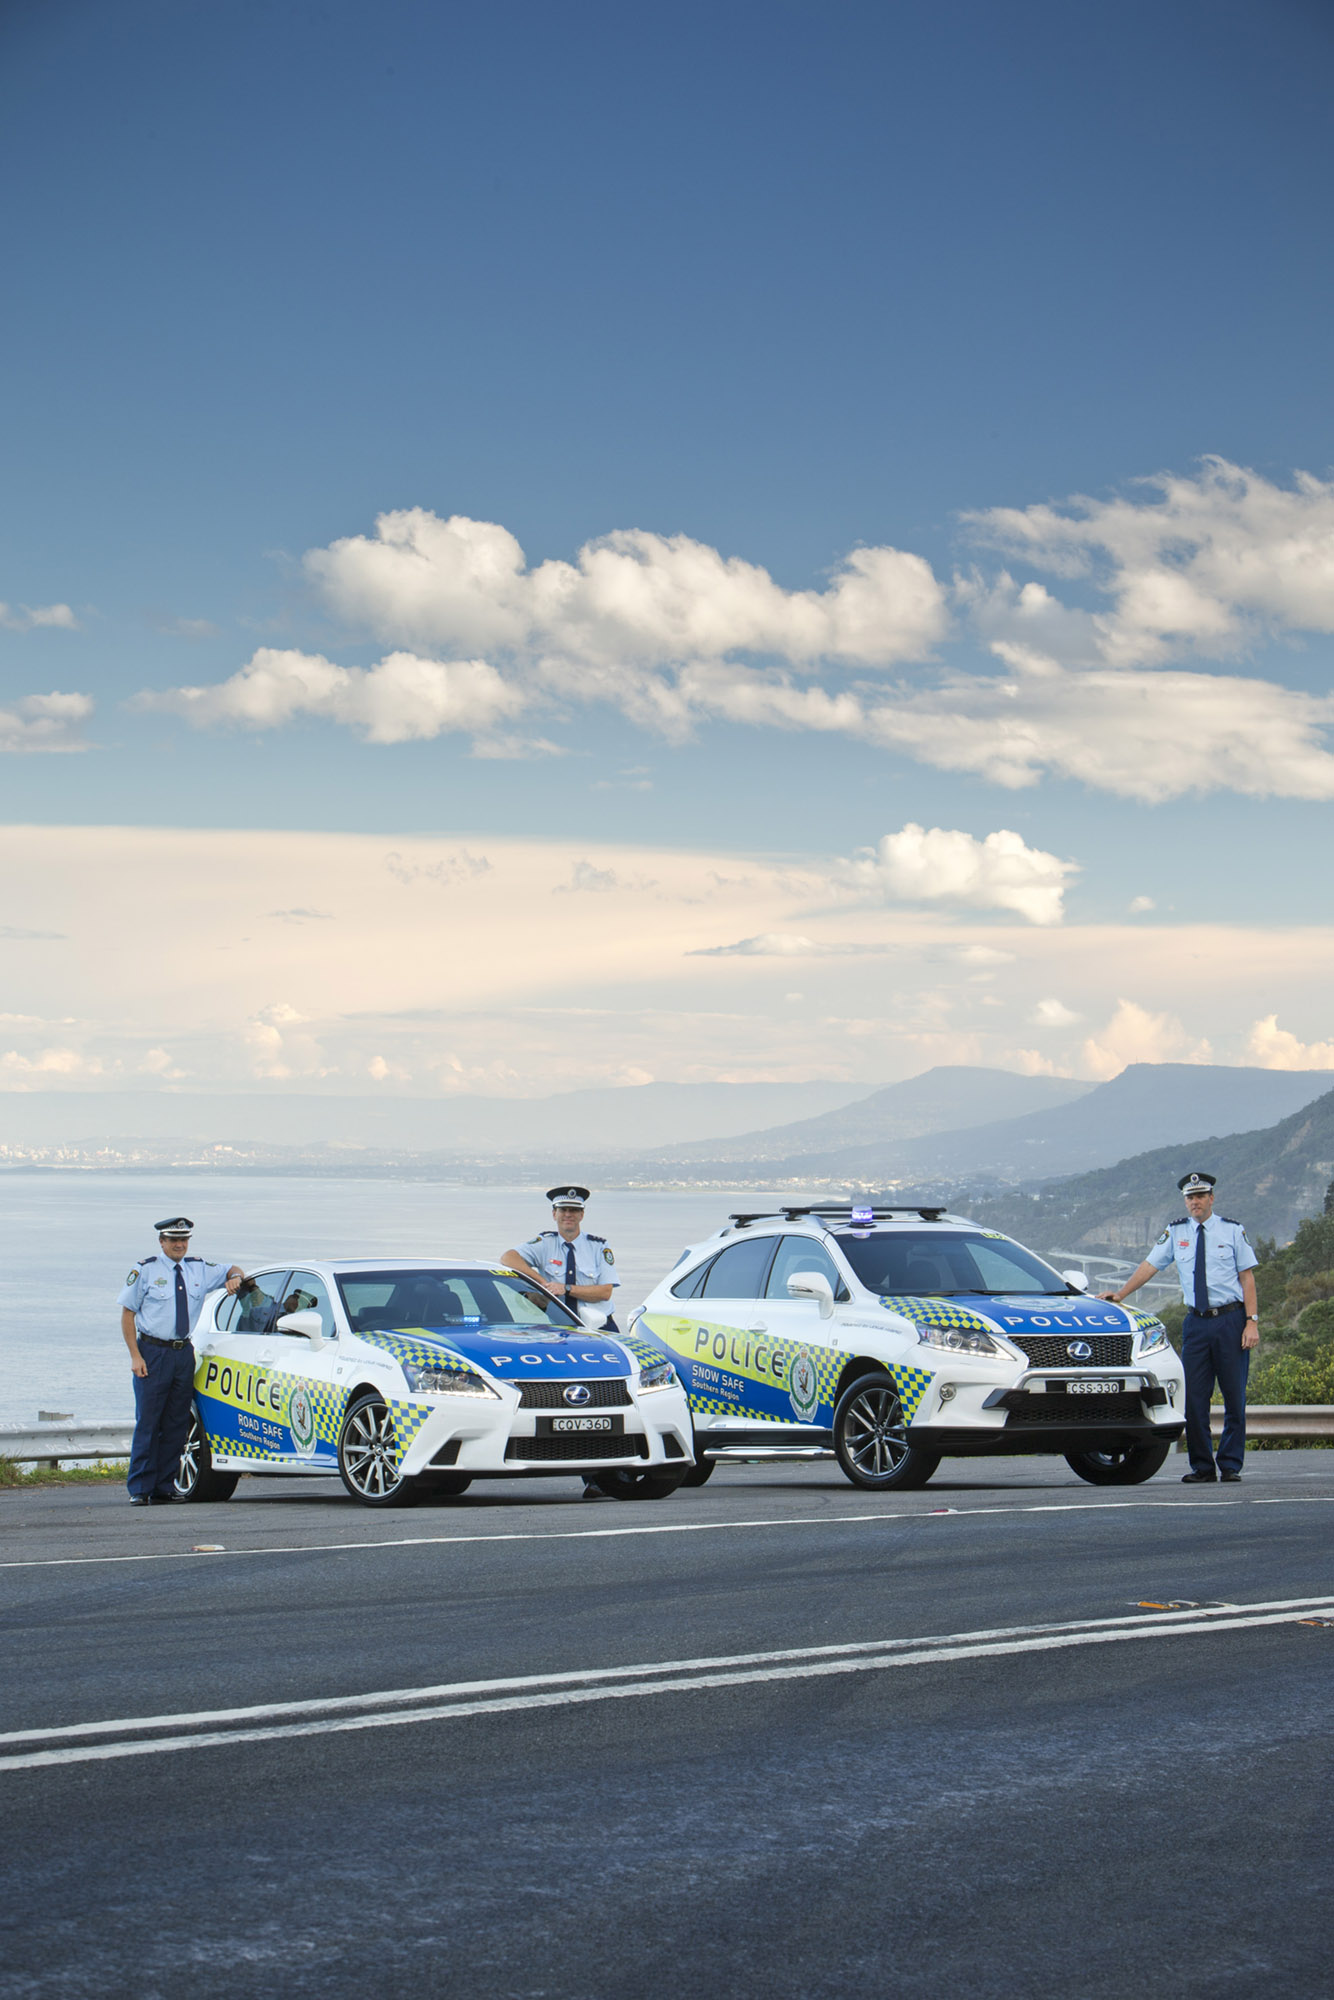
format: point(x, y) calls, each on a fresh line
point(1166, 1233)
point(606, 1251)
point(130, 1277)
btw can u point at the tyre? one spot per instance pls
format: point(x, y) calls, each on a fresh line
point(368, 1456)
point(446, 1485)
point(627, 1484)
point(870, 1437)
point(196, 1479)
point(703, 1468)
point(1126, 1466)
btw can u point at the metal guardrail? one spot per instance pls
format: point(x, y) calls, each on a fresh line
point(1281, 1420)
point(47, 1444)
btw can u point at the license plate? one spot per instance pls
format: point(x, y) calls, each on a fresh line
point(563, 1426)
point(1093, 1388)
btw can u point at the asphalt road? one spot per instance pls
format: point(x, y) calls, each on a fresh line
point(981, 1765)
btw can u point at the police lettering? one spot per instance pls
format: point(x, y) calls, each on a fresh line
point(261, 1391)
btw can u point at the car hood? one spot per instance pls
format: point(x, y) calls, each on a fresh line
point(512, 1351)
point(1073, 1316)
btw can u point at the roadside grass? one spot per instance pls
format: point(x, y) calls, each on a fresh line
point(12, 1473)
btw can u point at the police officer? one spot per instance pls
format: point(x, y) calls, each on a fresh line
point(158, 1308)
point(567, 1260)
point(1215, 1264)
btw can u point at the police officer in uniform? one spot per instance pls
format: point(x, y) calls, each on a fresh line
point(158, 1308)
point(567, 1260)
point(1215, 1264)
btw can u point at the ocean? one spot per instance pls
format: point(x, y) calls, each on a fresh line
point(68, 1238)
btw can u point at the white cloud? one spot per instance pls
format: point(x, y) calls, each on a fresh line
point(1142, 735)
point(1139, 904)
point(1203, 563)
point(189, 628)
point(403, 698)
point(783, 944)
point(1272, 1047)
point(629, 597)
point(45, 722)
point(53, 1063)
point(981, 955)
point(1000, 872)
point(32, 617)
point(1053, 1014)
point(1134, 1035)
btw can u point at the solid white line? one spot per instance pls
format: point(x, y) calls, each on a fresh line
point(395, 1696)
point(665, 1528)
point(924, 1655)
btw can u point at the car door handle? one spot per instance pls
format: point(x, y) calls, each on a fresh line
point(757, 1326)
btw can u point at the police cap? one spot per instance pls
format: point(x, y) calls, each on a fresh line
point(567, 1197)
point(1194, 1183)
point(175, 1225)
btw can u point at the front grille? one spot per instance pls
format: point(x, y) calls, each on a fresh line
point(448, 1454)
point(1052, 1350)
point(605, 1395)
point(671, 1449)
point(1076, 1410)
point(581, 1446)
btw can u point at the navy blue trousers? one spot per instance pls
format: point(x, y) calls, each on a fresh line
point(1211, 1351)
point(163, 1400)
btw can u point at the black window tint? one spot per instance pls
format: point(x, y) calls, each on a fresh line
point(798, 1253)
point(925, 1263)
point(738, 1272)
point(259, 1302)
point(307, 1292)
point(691, 1285)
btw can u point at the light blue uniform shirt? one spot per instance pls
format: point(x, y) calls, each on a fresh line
point(1227, 1253)
point(593, 1261)
point(150, 1292)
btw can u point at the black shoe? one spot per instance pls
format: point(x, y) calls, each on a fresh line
point(1200, 1478)
point(162, 1499)
point(140, 1500)
point(1229, 1478)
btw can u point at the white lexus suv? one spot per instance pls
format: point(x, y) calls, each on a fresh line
point(894, 1337)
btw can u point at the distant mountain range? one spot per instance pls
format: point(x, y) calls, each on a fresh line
point(1267, 1179)
point(1154, 1103)
point(570, 1127)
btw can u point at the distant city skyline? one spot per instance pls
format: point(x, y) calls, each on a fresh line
point(548, 550)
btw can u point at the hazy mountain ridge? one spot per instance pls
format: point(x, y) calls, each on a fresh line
point(1269, 1180)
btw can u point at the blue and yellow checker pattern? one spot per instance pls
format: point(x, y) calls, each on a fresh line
point(935, 1312)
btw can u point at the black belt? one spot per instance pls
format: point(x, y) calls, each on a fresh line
point(158, 1341)
point(1212, 1312)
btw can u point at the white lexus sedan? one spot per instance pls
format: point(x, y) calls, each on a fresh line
point(894, 1337)
point(410, 1377)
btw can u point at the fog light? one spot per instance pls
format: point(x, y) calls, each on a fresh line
point(947, 1393)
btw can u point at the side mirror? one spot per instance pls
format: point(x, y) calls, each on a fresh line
point(1077, 1280)
point(813, 1285)
point(308, 1325)
point(591, 1317)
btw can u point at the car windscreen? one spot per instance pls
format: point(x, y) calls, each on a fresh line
point(379, 1301)
point(934, 1263)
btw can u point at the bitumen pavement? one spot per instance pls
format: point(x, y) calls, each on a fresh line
point(1011, 1735)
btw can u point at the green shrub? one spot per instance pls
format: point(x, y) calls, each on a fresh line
point(1295, 1376)
point(1317, 1321)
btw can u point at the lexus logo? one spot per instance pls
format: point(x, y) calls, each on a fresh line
point(579, 1393)
point(1079, 1350)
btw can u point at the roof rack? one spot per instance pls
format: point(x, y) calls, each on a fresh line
point(838, 1210)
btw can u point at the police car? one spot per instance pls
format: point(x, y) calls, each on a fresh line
point(895, 1336)
point(410, 1377)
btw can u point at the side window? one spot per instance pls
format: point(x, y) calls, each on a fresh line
point(692, 1284)
point(305, 1292)
point(738, 1272)
point(226, 1310)
point(258, 1302)
point(798, 1253)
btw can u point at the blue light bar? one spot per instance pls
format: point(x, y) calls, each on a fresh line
point(862, 1218)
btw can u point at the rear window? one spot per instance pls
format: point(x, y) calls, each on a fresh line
point(931, 1263)
point(385, 1301)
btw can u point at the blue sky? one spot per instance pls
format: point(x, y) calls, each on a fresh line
point(786, 281)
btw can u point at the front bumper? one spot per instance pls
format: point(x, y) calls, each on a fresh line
point(1047, 1410)
point(506, 1440)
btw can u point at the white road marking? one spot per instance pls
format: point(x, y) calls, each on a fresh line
point(664, 1528)
point(671, 1677)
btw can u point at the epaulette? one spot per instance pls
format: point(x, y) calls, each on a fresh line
point(148, 1260)
point(544, 1232)
point(594, 1239)
point(1233, 1220)
point(1178, 1221)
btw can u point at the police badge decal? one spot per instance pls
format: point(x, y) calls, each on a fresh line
point(803, 1385)
point(301, 1419)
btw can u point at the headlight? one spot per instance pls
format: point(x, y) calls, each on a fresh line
point(439, 1380)
point(960, 1339)
point(1151, 1338)
point(661, 1377)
